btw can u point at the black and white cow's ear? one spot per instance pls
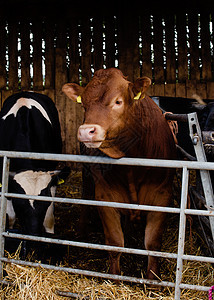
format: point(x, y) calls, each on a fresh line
point(73, 91)
point(140, 86)
point(53, 173)
point(59, 176)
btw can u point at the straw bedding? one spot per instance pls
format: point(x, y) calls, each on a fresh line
point(38, 283)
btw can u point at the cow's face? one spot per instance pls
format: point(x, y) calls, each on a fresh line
point(31, 213)
point(107, 101)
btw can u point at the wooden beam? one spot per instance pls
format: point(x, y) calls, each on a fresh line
point(205, 47)
point(2, 54)
point(158, 50)
point(146, 45)
point(25, 55)
point(13, 54)
point(37, 30)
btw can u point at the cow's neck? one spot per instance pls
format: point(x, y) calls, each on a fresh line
point(113, 152)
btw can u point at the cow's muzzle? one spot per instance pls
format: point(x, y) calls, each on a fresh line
point(92, 135)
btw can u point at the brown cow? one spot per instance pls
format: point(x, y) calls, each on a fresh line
point(120, 120)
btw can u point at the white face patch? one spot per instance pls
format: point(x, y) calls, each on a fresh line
point(33, 182)
point(29, 103)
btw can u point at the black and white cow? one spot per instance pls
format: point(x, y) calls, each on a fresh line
point(29, 122)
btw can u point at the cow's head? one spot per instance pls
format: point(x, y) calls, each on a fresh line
point(107, 99)
point(33, 215)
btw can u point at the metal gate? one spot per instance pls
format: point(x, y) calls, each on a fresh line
point(183, 211)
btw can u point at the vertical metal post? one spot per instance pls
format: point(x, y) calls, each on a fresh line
point(195, 134)
point(3, 210)
point(182, 229)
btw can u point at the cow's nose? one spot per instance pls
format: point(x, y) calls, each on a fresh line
point(86, 133)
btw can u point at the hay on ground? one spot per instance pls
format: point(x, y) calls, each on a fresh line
point(38, 283)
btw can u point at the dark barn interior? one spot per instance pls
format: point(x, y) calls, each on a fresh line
point(44, 44)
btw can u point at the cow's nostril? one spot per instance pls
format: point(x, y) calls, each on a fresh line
point(92, 131)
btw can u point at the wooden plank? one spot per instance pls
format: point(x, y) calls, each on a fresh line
point(2, 54)
point(201, 90)
point(37, 55)
point(98, 43)
point(49, 55)
point(66, 107)
point(71, 126)
point(74, 51)
point(79, 121)
point(128, 46)
point(110, 25)
point(5, 94)
point(210, 90)
point(182, 48)
point(190, 88)
point(212, 42)
point(13, 55)
point(60, 79)
point(158, 50)
point(194, 46)
point(86, 51)
point(61, 69)
point(158, 89)
point(146, 45)
point(180, 90)
point(49, 92)
point(169, 90)
point(150, 92)
point(170, 48)
point(25, 55)
point(134, 50)
point(122, 43)
point(205, 47)
point(74, 113)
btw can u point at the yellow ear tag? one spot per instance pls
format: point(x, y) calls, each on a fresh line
point(137, 97)
point(0, 185)
point(60, 181)
point(79, 99)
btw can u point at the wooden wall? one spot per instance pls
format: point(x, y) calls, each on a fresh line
point(42, 53)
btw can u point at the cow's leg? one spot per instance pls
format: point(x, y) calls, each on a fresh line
point(11, 214)
point(113, 235)
point(49, 219)
point(153, 238)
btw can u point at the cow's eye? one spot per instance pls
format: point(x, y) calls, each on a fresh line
point(118, 102)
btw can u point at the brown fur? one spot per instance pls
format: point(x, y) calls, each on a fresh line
point(137, 129)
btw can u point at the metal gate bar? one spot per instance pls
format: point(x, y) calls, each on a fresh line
point(195, 134)
point(126, 161)
point(188, 211)
point(182, 231)
point(180, 256)
point(90, 273)
point(107, 247)
point(5, 177)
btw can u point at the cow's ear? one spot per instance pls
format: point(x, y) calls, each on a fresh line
point(59, 176)
point(73, 91)
point(141, 85)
